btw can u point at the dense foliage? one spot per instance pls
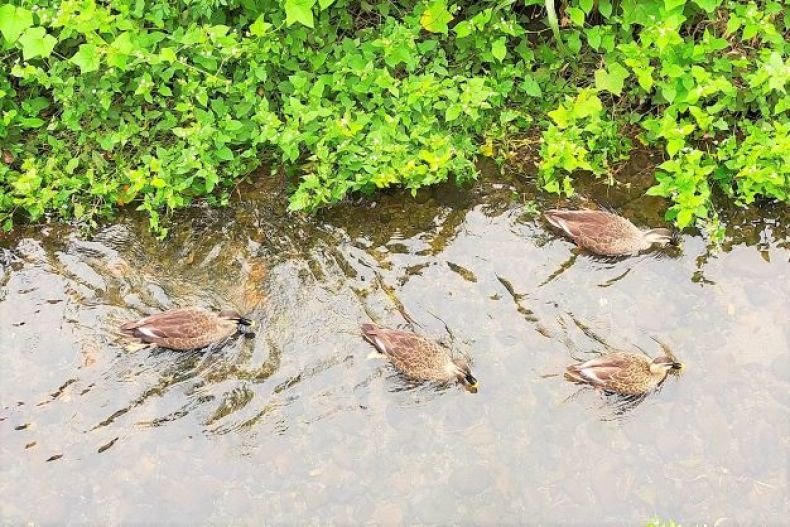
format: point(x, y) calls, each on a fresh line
point(158, 102)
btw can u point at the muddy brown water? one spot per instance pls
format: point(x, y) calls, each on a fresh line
point(298, 425)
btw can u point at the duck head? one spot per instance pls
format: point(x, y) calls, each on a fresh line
point(233, 315)
point(464, 374)
point(662, 365)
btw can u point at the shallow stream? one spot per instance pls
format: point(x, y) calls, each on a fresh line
point(299, 425)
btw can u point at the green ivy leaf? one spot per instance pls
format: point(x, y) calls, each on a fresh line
point(674, 146)
point(573, 41)
point(593, 37)
point(452, 113)
point(586, 104)
point(586, 5)
point(561, 116)
point(87, 58)
point(498, 49)
point(13, 21)
point(669, 5)
point(733, 24)
point(224, 153)
point(644, 75)
point(211, 181)
point(323, 4)
point(605, 8)
point(463, 29)
point(299, 11)
point(259, 27)
point(576, 15)
point(567, 186)
point(641, 12)
point(436, 16)
point(531, 87)
point(669, 92)
point(168, 55)
point(36, 43)
point(778, 72)
point(123, 43)
point(708, 5)
point(612, 78)
point(685, 217)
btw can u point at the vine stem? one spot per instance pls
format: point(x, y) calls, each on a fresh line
point(551, 13)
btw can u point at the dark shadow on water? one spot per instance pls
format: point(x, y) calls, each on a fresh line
point(609, 406)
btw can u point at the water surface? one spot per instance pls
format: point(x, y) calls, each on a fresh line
point(298, 425)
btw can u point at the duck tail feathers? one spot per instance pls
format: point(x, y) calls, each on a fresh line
point(369, 329)
point(371, 333)
point(129, 327)
point(551, 216)
point(573, 373)
point(555, 218)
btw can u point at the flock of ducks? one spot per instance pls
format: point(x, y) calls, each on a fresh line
point(421, 359)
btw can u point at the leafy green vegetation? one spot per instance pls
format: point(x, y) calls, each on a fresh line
point(582, 137)
point(658, 522)
point(155, 103)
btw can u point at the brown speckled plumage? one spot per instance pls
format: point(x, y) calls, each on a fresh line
point(185, 329)
point(417, 357)
point(605, 233)
point(622, 372)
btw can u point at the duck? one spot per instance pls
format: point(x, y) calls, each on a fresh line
point(187, 328)
point(419, 358)
point(604, 233)
point(623, 373)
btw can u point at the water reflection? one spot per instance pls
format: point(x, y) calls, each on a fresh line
point(298, 424)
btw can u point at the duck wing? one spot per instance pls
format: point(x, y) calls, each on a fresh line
point(601, 232)
point(186, 323)
point(394, 342)
point(601, 371)
point(412, 354)
point(583, 223)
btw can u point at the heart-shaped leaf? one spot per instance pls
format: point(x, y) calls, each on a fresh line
point(13, 21)
point(37, 43)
